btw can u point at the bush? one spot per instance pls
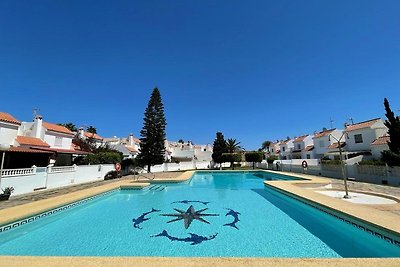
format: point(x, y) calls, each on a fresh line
point(104, 158)
point(372, 162)
point(111, 175)
point(392, 159)
point(129, 163)
point(271, 159)
point(331, 162)
point(253, 157)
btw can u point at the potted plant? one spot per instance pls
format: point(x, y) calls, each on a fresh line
point(6, 193)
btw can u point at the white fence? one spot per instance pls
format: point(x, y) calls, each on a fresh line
point(31, 179)
point(182, 166)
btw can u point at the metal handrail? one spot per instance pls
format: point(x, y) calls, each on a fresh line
point(139, 171)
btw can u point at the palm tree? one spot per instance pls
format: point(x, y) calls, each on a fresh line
point(91, 129)
point(233, 146)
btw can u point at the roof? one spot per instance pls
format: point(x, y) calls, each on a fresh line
point(8, 118)
point(383, 140)
point(323, 133)
point(309, 148)
point(300, 138)
point(136, 140)
point(62, 150)
point(92, 135)
point(131, 149)
point(335, 145)
point(56, 128)
point(285, 142)
point(361, 125)
point(31, 141)
point(27, 150)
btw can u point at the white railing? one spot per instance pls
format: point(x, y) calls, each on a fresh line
point(18, 172)
point(62, 169)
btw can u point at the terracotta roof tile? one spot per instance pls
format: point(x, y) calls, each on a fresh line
point(335, 145)
point(309, 148)
point(323, 133)
point(361, 125)
point(92, 135)
point(28, 150)
point(131, 149)
point(56, 128)
point(31, 141)
point(300, 138)
point(8, 118)
point(383, 140)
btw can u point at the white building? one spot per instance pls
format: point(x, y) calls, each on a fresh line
point(379, 145)
point(97, 139)
point(286, 148)
point(274, 149)
point(360, 136)
point(128, 146)
point(303, 147)
point(324, 140)
point(9, 129)
point(177, 151)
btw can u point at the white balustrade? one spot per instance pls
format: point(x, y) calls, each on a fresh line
point(53, 169)
point(18, 172)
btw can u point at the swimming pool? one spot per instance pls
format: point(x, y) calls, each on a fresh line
point(212, 214)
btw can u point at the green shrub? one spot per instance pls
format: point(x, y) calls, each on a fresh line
point(104, 158)
point(372, 162)
point(111, 175)
point(391, 158)
point(254, 157)
point(271, 159)
point(331, 162)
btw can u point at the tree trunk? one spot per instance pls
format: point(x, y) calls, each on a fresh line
point(253, 165)
point(220, 166)
point(148, 168)
point(233, 165)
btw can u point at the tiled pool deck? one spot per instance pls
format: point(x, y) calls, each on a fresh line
point(386, 216)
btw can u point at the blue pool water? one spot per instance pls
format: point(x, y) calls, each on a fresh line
point(245, 219)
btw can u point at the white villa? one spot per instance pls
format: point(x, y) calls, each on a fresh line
point(128, 146)
point(360, 136)
point(176, 151)
point(325, 142)
point(286, 148)
point(379, 145)
point(274, 149)
point(303, 147)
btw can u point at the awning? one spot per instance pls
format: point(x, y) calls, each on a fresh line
point(62, 151)
point(27, 150)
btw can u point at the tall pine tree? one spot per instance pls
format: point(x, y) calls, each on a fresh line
point(219, 147)
point(152, 148)
point(392, 156)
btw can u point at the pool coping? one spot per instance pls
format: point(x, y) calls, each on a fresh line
point(23, 211)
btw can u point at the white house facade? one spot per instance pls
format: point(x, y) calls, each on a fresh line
point(286, 148)
point(360, 136)
point(324, 140)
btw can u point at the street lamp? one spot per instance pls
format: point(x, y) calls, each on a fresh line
point(4, 148)
point(341, 163)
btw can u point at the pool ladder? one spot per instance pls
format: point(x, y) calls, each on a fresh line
point(140, 172)
point(155, 188)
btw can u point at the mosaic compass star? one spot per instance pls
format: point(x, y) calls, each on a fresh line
point(189, 215)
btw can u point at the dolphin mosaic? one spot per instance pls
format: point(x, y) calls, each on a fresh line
point(191, 201)
point(235, 215)
point(193, 239)
point(141, 218)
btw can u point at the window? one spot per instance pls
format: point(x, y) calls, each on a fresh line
point(272, 150)
point(358, 138)
point(321, 143)
point(58, 141)
point(308, 156)
point(298, 146)
point(283, 149)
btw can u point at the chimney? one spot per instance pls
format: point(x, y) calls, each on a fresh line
point(130, 140)
point(37, 126)
point(81, 132)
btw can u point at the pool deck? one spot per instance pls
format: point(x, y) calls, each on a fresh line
point(385, 216)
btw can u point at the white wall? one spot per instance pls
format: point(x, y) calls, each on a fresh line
point(54, 177)
point(50, 138)
point(377, 149)
point(8, 133)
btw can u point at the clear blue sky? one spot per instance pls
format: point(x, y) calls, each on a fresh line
point(255, 70)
